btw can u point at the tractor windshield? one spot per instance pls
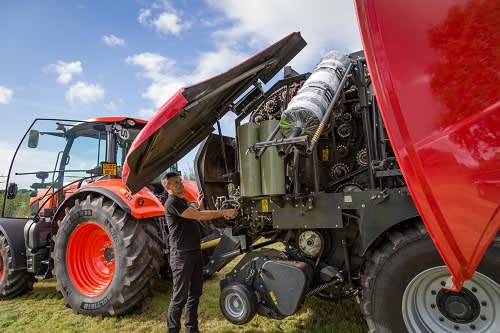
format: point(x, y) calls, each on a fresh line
point(56, 157)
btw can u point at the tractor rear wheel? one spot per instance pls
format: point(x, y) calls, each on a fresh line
point(105, 261)
point(403, 289)
point(12, 282)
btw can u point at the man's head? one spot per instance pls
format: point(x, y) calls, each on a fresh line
point(172, 183)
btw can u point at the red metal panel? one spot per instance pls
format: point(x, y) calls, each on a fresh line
point(436, 68)
point(166, 112)
point(143, 204)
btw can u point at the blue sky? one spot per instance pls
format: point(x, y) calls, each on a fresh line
point(82, 59)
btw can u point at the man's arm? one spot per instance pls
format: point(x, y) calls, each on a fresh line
point(206, 215)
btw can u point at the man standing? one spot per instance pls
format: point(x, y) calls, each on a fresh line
point(185, 253)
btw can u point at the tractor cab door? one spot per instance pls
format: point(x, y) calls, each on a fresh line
point(36, 170)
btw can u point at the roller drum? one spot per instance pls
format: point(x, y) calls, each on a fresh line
point(250, 177)
point(272, 166)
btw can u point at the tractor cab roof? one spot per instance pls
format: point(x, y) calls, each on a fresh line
point(189, 115)
point(117, 119)
point(94, 127)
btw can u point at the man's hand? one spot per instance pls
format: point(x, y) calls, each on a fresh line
point(229, 213)
point(199, 201)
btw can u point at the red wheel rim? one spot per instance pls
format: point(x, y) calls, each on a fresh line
point(90, 258)
point(1, 266)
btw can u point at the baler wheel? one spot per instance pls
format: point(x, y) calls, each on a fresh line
point(238, 304)
point(403, 288)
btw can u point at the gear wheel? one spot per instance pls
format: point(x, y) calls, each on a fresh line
point(339, 170)
point(270, 108)
point(357, 110)
point(342, 150)
point(346, 117)
point(337, 114)
point(362, 157)
point(344, 131)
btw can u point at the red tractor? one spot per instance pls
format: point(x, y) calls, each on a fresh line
point(66, 213)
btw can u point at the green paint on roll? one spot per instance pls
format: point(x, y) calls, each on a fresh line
point(272, 166)
point(249, 165)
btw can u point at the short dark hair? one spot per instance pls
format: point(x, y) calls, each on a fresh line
point(169, 175)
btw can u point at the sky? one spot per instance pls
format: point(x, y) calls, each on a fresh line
point(84, 59)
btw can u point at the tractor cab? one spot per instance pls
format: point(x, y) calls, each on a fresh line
point(57, 157)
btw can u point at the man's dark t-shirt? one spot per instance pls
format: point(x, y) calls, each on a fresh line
point(184, 234)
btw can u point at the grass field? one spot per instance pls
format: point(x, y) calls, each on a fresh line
point(43, 311)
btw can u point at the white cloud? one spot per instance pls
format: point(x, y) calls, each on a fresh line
point(155, 65)
point(84, 92)
point(144, 15)
point(324, 24)
point(163, 18)
point(5, 95)
point(111, 106)
point(161, 71)
point(146, 113)
point(112, 40)
point(215, 62)
point(169, 23)
point(66, 70)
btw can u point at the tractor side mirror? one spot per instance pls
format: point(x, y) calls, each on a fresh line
point(33, 139)
point(12, 191)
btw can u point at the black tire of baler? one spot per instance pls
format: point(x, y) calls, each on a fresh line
point(137, 258)
point(14, 282)
point(392, 266)
point(249, 299)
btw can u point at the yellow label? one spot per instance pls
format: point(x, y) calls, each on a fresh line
point(109, 169)
point(325, 154)
point(273, 297)
point(265, 205)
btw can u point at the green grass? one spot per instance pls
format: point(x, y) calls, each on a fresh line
point(42, 310)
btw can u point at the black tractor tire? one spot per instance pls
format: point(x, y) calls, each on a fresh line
point(12, 282)
point(136, 256)
point(238, 304)
point(391, 268)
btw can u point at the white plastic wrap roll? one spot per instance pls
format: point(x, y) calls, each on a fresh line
point(306, 109)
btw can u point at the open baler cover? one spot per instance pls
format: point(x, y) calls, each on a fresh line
point(435, 70)
point(189, 115)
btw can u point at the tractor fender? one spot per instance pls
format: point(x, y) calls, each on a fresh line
point(141, 205)
point(80, 194)
point(13, 230)
point(381, 215)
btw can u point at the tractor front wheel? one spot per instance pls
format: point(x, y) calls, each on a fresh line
point(105, 261)
point(403, 289)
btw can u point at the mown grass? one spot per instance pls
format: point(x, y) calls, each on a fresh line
point(42, 310)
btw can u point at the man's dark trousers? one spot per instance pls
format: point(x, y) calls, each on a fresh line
point(187, 271)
